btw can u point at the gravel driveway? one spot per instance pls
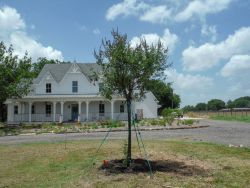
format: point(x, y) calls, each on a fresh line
point(223, 132)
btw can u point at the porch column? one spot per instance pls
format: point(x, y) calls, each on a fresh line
point(54, 111)
point(30, 109)
point(87, 110)
point(61, 116)
point(79, 111)
point(10, 112)
point(112, 109)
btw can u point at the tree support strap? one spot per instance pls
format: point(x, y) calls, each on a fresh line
point(145, 152)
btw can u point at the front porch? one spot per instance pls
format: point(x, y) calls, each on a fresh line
point(66, 110)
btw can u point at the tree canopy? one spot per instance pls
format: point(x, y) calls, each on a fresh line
point(15, 76)
point(164, 94)
point(201, 107)
point(126, 70)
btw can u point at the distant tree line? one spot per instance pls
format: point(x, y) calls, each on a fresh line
point(217, 104)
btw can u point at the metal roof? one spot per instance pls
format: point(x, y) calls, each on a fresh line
point(58, 71)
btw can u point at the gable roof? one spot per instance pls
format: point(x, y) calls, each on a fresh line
point(58, 71)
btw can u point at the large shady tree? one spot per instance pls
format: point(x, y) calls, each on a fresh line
point(126, 70)
point(15, 76)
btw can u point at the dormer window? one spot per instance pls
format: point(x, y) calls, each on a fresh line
point(48, 87)
point(74, 86)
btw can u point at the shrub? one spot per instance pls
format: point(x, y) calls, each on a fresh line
point(154, 122)
point(172, 112)
point(169, 120)
point(2, 133)
point(188, 121)
point(162, 122)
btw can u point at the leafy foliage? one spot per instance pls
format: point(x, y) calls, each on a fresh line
point(15, 76)
point(164, 94)
point(215, 104)
point(201, 107)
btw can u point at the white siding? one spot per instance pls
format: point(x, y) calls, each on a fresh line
point(148, 105)
point(65, 86)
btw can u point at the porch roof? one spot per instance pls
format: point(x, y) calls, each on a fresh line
point(63, 98)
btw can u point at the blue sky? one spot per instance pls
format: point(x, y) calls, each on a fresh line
point(208, 40)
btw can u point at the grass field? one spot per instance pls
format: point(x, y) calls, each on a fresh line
point(186, 165)
point(231, 118)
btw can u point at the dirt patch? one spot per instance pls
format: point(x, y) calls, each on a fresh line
point(138, 165)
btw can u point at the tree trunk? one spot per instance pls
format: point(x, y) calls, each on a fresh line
point(129, 132)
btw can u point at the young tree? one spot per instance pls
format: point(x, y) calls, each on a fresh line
point(126, 70)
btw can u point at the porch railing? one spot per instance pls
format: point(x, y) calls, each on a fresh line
point(36, 117)
point(83, 117)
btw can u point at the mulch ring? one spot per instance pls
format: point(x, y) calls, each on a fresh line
point(118, 166)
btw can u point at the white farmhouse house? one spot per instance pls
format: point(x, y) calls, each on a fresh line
point(69, 92)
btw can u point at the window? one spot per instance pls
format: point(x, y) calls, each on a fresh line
point(100, 87)
point(33, 109)
point(15, 109)
point(122, 108)
point(48, 87)
point(48, 109)
point(101, 108)
point(74, 86)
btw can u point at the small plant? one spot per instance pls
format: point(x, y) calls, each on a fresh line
point(2, 133)
point(188, 122)
point(169, 120)
point(125, 152)
point(162, 122)
point(154, 122)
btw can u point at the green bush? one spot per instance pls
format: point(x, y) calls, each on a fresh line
point(153, 122)
point(172, 112)
point(2, 133)
point(162, 122)
point(169, 120)
point(188, 122)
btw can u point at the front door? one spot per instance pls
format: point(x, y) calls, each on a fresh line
point(74, 112)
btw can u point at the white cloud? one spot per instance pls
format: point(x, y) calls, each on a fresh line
point(96, 31)
point(10, 20)
point(209, 31)
point(200, 8)
point(170, 10)
point(125, 8)
point(189, 82)
point(13, 31)
point(209, 55)
point(168, 39)
point(238, 65)
point(192, 88)
point(158, 14)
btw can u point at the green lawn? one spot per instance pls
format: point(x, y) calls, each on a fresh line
point(190, 165)
point(232, 118)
